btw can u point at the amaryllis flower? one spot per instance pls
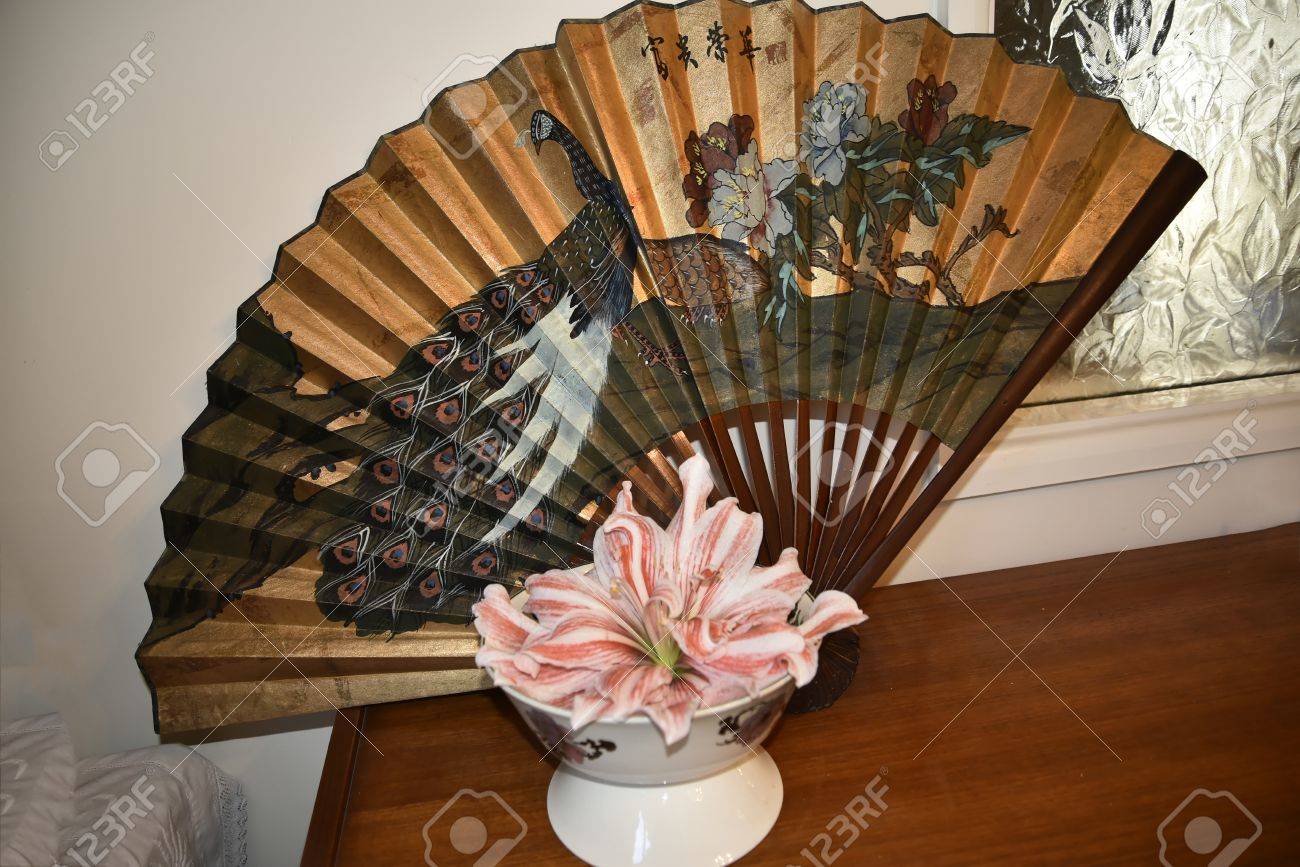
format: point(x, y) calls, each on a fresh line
point(927, 108)
point(664, 621)
point(717, 149)
point(834, 117)
point(744, 202)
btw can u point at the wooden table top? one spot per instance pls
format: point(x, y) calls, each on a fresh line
point(1148, 675)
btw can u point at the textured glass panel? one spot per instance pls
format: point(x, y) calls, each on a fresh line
point(1217, 298)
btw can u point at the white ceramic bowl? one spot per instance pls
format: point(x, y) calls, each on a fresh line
point(633, 752)
point(621, 796)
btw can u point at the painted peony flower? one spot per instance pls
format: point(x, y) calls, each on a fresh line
point(717, 149)
point(834, 117)
point(664, 621)
point(927, 108)
point(744, 201)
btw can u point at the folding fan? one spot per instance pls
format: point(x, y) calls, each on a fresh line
point(831, 253)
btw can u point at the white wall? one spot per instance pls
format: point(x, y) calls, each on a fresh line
point(119, 282)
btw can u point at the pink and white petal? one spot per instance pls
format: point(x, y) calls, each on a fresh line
point(582, 641)
point(722, 688)
point(629, 553)
point(499, 623)
point(802, 666)
point(618, 693)
point(672, 718)
point(629, 688)
point(548, 683)
point(557, 594)
point(832, 610)
point(588, 706)
point(734, 598)
point(699, 638)
point(697, 484)
point(749, 654)
point(722, 545)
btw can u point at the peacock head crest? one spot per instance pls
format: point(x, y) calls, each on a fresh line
point(543, 127)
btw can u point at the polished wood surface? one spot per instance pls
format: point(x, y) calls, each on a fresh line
point(1042, 715)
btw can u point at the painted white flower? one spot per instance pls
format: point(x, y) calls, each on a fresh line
point(833, 118)
point(745, 204)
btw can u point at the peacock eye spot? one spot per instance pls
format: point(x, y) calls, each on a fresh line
point(525, 278)
point(431, 586)
point(346, 553)
point(401, 406)
point(352, 590)
point(437, 351)
point(395, 557)
point(446, 460)
point(449, 411)
point(386, 471)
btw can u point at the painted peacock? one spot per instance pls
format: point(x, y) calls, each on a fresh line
point(490, 414)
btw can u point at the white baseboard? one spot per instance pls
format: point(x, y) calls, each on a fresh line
point(1094, 477)
point(1054, 445)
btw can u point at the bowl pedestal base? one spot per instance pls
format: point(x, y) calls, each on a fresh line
point(712, 820)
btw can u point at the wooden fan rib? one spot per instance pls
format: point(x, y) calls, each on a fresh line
point(760, 482)
point(899, 496)
point(884, 470)
point(1169, 191)
point(717, 94)
point(737, 20)
point(848, 521)
point(843, 475)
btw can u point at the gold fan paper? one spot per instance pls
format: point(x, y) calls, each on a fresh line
point(829, 252)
